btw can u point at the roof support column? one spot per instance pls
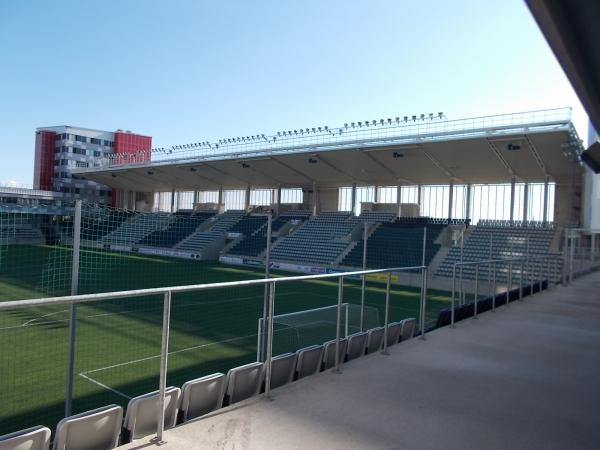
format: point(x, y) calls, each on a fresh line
point(468, 201)
point(376, 195)
point(172, 201)
point(450, 199)
point(512, 200)
point(315, 200)
point(247, 199)
point(220, 199)
point(419, 198)
point(195, 198)
point(398, 199)
point(278, 198)
point(545, 217)
point(525, 201)
point(353, 198)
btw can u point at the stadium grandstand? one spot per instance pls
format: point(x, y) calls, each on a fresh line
point(372, 233)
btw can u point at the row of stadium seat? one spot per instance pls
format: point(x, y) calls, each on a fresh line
point(102, 428)
point(200, 240)
point(394, 245)
point(181, 226)
point(515, 224)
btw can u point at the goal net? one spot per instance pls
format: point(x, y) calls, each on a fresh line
point(315, 326)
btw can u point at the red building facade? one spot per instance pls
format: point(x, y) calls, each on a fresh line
point(43, 170)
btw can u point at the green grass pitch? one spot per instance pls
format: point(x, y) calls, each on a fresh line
point(118, 341)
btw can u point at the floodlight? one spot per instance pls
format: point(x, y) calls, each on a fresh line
point(422, 116)
point(390, 121)
point(312, 160)
point(245, 166)
point(319, 129)
point(352, 124)
point(414, 118)
point(326, 128)
point(360, 124)
point(279, 133)
point(440, 115)
point(430, 116)
point(374, 122)
point(406, 118)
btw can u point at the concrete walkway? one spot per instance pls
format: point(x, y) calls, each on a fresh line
point(525, 377)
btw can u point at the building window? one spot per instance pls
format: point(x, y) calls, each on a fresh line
point(96, 153)
point(95, 141)
point(64, 162)
point(79, 151)
point(80, 138)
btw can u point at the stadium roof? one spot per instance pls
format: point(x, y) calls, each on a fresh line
point(531, 146)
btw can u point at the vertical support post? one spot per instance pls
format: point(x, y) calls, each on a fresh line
point(565, 257)
point(220, 197)
point(363, 278)
point(278, 199)
point(462, 248)
point(172, 201)
point(247, 199)
point(509, 283)
point(195, 200)
point(476, 291)
point(571, 258)
point(512, 200)
point(450, 200)
point(164, 355)
point(545, 210)
point(593, 248)
point(423, 300)
point(338, 324)
point(262, 338)
point(387, 313)
point(269, 357)
point(468, 201)
point(521, 268)
point(453, 294)
point(315, 201)
point(353, 198)
point(73, 308)
point(494, 287)
point(525, 201)
point(420, 198)
point(398, 200)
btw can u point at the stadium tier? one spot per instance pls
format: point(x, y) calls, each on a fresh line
point(200, 241)
point(136, 228)
point(182, 225)
point(396, 244)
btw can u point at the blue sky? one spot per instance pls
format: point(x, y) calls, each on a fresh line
point(187, 71)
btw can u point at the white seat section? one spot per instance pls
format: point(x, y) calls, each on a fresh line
point(408, 329)
point(356, 345)
point(282, 369)
point(141, 417)
point(374, 339)
point(202, 396)
point(329, 353)
point(308, 360)
point(99, 428)
point(393, 334)
point(244, 382)
point(34, 438)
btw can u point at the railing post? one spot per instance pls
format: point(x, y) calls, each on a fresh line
point(387, 313)
point(453, 295)
point(423, 301)
point(263, 336)
point(164, 355)
point(338, 324)
point(363, 279)
point(521, 281)
point(571, 258)
point(269, 357)
point(73, 309)
point(494, 287)
point(509, 283)
point(476, 291)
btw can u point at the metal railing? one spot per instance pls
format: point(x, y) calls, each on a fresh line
point(527, 268)
point(270, 299)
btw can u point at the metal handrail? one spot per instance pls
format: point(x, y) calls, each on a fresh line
point(85, 298)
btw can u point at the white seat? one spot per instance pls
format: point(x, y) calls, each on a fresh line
point(99, 428)
point(393, 334)
point(329, 353)
point(282, 369)
point(356, 345)
point(34, 438)
point(202, 396)
point(308, 360)
point(244, 382)
point(374, 339)
point(141, 418)
point(408, 329)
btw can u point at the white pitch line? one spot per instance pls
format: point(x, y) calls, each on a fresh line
point(105, 386)
point(45, 315)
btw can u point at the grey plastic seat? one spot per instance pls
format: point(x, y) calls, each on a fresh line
point(202, 396)
point(329, 353)
point(141, 418)
point(282, 369)
point(308, 360)
point(374, 339)
point(34, 438)
point(99, 428)
point(393, 334)
point(408, 329)
point(244, 381)
point(356, 345)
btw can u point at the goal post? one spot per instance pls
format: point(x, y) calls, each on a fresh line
point(315, 326)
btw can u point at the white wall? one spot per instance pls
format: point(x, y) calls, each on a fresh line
point(590, 213)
